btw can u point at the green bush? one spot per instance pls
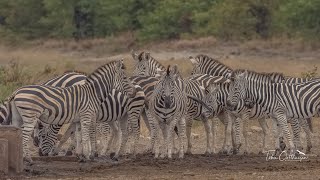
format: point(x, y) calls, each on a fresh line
point(159, 19)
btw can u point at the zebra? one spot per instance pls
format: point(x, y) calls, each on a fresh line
point(216, 98)
point(79, 103)
point(168, 106)
point(117, 107)
point(148, 66)
point(206, 65)
point(279, 100)
point(68, 78)
point(203, 64)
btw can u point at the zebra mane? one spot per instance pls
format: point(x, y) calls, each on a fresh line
point(261, 74)
point(76, 71)
point(105, 66)
point(204, 58)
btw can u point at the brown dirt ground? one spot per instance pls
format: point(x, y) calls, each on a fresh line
point(291, 60)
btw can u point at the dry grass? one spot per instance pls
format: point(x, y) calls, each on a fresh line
point(42, 59)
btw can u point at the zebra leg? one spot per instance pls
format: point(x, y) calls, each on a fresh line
point(71, 129)
point(123, 136)
point(116, 140)
point(169, 132)
point(133, 120)
point(276, 133)
point(164, 130)
point(214, 132)
point(27, 129)
point(296, 133)
point(79, 148)
point(307, 130)
point(112, 141)
point(146, 120)
point(282, 119)
point(228, 128)
point(93, 140)
point(72, 145)
point(154, 130)
point(189, 126)
point(182, 135)
point(85, 133)
point(106, 136)
point(208, 128)
point(264, 126)
point(236, 128)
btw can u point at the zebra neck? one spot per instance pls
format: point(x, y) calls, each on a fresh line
point(154, 66)
point(260, 92)
point(98, 96)
point(101, 87)
point(223, 94)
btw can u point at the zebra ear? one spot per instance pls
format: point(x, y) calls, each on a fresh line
point(193, 60)
point(134, 55)
point(147, 56)
point(159, 72)
point(120, 64)
point(174, 71)
point(243, 75)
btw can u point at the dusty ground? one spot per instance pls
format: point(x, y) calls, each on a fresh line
point(290, 59)
point(197, 166)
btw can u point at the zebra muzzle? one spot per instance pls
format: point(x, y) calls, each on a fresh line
point(167, 102)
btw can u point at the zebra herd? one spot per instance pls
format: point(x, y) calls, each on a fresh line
point(109, 102)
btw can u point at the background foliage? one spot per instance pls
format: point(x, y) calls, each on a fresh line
point(159, 19)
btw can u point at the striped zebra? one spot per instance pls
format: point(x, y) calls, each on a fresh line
point(203, 64)
point(206, 65)
point(279, 100)
point(117, 107)
point(216, 99)
point(65, 80)
point(168, 107)
point(79, 103)
point(148, 66)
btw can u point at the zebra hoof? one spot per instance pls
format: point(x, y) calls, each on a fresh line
point(208, 153)
point(114, 158)
point(277, 152)
point(96, 154)
point(91, 157)
point(28, 161)
point(308, 151)
point(112, 155)
point(223, 152)
point(81, 158)
point(69, 153)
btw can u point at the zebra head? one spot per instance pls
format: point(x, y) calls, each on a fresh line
point(145, 65)
point(238, 88)
point(46, 138)
point(211, 100)
point(166, 87)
